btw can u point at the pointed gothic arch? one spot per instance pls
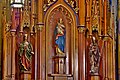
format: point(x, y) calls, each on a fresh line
point(61, 10)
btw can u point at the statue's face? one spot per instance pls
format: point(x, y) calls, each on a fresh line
point(61, 20)
point(93, 38)
point(25, 36)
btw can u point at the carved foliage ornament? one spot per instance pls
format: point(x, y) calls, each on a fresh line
point(47, 4)
point(72, 3)
point(26, 15)
point(7, 28)
point(95, 13)
point(81, 29)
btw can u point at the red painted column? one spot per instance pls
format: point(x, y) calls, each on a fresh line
point(81, 52)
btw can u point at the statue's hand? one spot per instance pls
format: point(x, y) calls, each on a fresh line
point(32, 52)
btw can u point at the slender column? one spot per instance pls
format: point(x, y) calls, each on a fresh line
point(100, 17)
point(31, 37)
point(40, 11)
point(21, 15)
point(105, 71)
point(13, 19)
point(90, 17)
point(32, 14)
point(88, 14)
point(113, 47)
point(81, 41)
point(105, 16)
point(13, 47)
point(39, 36)
point(4, 70)
point(81, 53)
point(36, 65)
point(82, 12)
point(105, 59)
point(39, 52)
point(8, 55)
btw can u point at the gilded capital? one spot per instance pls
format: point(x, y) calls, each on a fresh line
point(40, 26)
point(81, 29)
point(13, 32)
point(106, 38)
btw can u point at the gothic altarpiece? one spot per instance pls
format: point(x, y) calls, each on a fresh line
point(59, 40)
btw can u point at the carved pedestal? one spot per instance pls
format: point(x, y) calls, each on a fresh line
point(95, 77)
point(61, 76)
point(59, 64)
point(59, 69)
point(26, 75)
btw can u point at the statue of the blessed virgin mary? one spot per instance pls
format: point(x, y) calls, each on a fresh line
point(59, 33)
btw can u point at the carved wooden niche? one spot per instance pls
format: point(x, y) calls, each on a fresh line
point(20, 40)
point(59, 16)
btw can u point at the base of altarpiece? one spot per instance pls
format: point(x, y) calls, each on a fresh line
point(95, 77)
point(26, 75)
point(61, 76)
point(59, 64)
